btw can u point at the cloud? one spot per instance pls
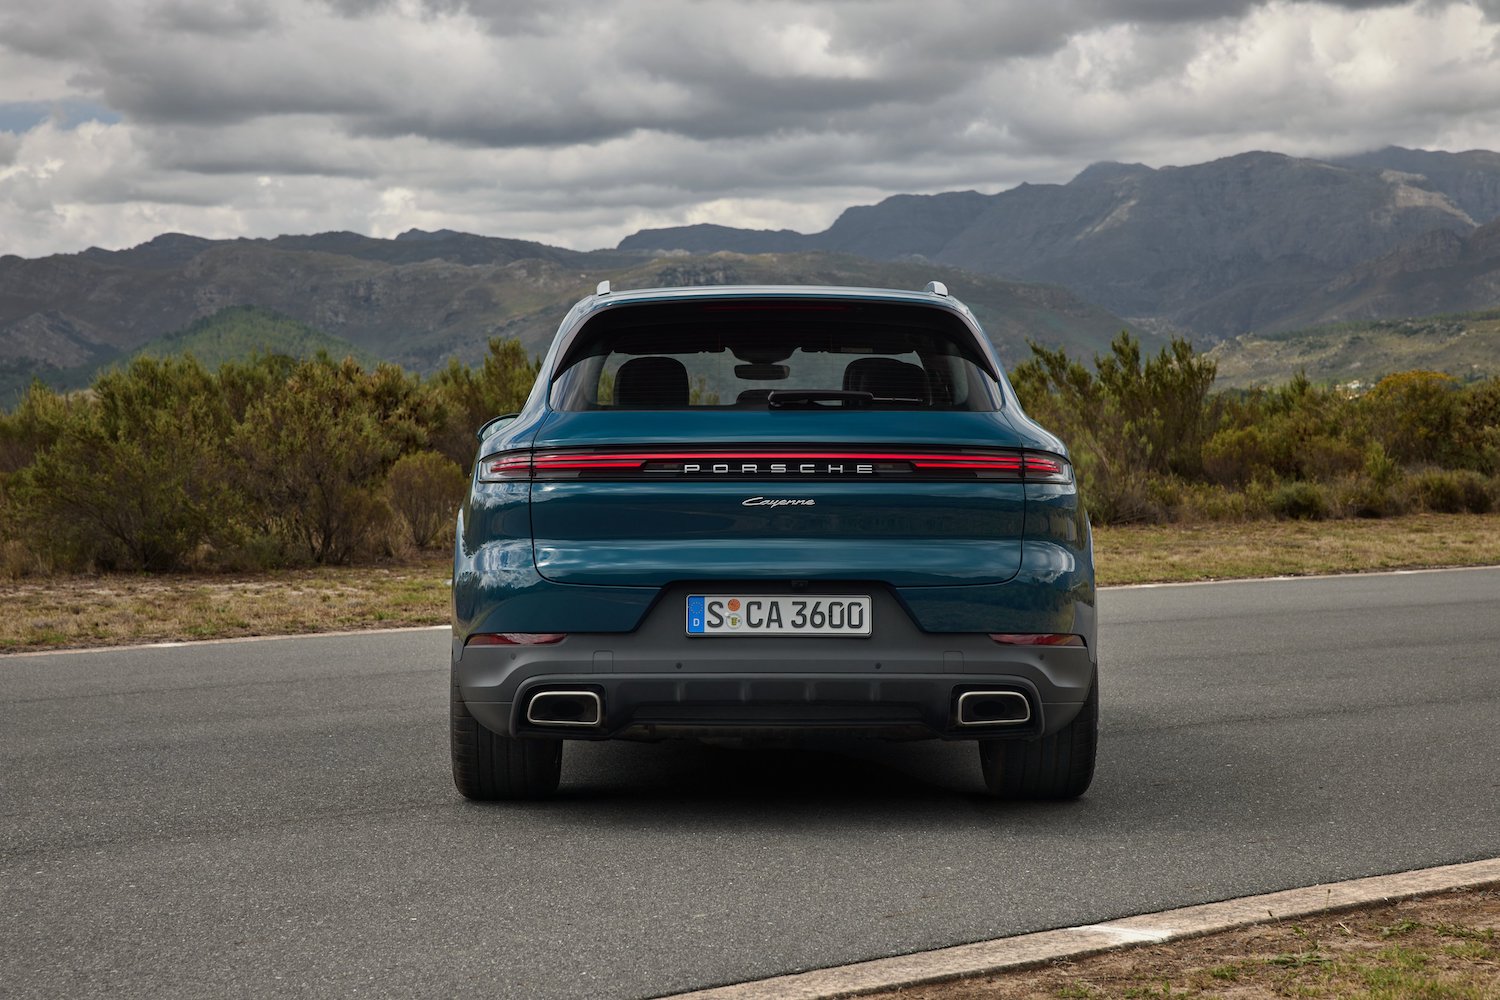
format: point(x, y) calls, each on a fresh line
point(577, 121)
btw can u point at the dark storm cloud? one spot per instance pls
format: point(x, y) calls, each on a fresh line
point(577, 120)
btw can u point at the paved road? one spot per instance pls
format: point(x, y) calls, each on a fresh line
point(276, 819)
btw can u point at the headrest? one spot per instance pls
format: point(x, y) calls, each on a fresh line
point(887, 377)
point(651, 383)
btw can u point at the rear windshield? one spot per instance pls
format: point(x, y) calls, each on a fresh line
point(774, 355)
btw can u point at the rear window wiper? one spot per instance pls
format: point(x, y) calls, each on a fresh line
point(848, 397)
point(812, 397)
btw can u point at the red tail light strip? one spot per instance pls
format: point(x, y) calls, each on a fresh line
point(521, 465)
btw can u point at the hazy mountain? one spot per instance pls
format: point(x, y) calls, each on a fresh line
point(424, 297)
point(1437, 272)
point(1471, 180)
point(1216, 248)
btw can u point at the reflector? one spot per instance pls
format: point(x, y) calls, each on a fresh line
point(1037, 638)
point(514, 638)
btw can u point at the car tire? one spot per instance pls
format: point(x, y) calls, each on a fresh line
point(1059, 766)
point(489, 767)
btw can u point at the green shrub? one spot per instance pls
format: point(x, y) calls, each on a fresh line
point(313, 454)
point(1360, 495)
point(1137, 417)
point(134, 478)
point(1212, 502)
point(425, 490)
point(1451, 491)
point(1236, 455)
point(35, 423)
point(1415, 416)
point(467, 398)
point(1300, 500)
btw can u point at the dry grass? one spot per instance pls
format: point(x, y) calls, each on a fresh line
point(1439, 948)
point(1218, 551)
point(62, 612)
point(131, 608)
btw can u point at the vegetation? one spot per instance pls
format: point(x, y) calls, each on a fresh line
point(1464, 345)
point(266, 463)
point(278, 462)
point(231, 334)
point(1152, 443)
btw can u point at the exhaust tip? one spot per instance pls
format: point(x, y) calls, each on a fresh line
point(993, 708)
point(565, 708)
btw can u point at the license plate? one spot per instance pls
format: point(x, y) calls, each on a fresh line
point(775, 614)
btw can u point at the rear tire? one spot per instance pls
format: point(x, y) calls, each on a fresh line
point(1059, 766)
point(488, 766)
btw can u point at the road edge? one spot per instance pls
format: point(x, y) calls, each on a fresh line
point(1027, 950)
point(172, 643)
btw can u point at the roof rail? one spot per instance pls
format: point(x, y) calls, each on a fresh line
point(603, 288)
point(937, 288)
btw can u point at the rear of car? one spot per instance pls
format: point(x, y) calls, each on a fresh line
point(770, 511)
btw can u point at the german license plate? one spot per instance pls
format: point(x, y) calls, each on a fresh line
point(775, 614)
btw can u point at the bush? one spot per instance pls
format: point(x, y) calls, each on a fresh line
point(425, 490)
point(1415, 415)
point(1211, 502)
point(1363, 496)
point(1145, 416)
point(1300, 500)
point(1236, 455)
point(35, 423)
point(468, 398)
point(134, 478)
point(314, 453)
point(1452, 491)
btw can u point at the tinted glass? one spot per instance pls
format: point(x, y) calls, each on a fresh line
point(723, 356)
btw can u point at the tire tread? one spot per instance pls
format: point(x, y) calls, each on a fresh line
point(1059, 766)
point(489, 767)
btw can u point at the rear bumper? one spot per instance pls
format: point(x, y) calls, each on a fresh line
point(657, 682)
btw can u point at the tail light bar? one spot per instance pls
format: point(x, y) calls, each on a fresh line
point(782, 464)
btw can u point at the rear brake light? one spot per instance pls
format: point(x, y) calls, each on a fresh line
point(1037, 638)
point(515, 638)
point(505, 467)
point(774, 463)
point(1047, 469)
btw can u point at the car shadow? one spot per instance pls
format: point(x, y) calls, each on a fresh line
point(814, 780)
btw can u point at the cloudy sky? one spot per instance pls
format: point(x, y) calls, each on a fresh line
point(576, 122)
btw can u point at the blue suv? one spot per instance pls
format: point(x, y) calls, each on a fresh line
point(770, 511)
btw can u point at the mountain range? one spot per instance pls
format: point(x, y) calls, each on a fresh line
point(1254, 244)
point(423, 297)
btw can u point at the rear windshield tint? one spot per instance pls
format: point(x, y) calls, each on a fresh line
point(696, 355)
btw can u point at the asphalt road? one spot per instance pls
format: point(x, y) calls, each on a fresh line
point(276, 818)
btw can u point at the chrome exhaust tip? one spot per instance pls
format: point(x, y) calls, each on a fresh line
point(993, 708)
point(584, 709)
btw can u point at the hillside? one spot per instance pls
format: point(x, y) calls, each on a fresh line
point(231, 334)
point(422, 298)
point(1466, 346)
point(1216, 249)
